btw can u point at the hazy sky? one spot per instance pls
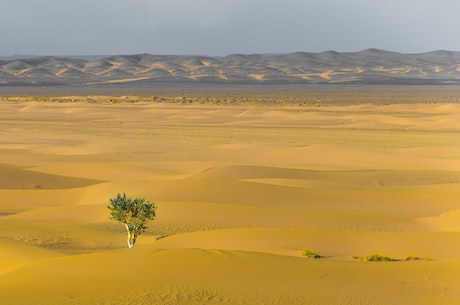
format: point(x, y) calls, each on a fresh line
point(222, 27)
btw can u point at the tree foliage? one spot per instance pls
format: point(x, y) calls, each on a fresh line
point(133, 213)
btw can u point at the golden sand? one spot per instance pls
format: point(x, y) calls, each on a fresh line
point(242, 189)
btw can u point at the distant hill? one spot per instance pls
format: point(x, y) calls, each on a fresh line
point(370, 66)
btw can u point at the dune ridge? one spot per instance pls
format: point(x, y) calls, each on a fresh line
point(242, 190)
point(371, 66)
point(9, 177)
point(241, 269)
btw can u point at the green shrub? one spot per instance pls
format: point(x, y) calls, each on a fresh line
point(412, 258)
point(311, 253)
point(379, 258)
point(133, 213)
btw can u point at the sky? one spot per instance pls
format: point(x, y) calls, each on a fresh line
point(223, 27)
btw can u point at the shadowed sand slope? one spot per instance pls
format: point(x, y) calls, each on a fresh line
point(18, 178)
point(14, 255)
point(241, 190)
point(361, 178)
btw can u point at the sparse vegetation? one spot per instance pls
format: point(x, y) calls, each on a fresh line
point(133, 213)
point(311, 253)
point(379, 258)
point(416, 258)
point(412, 258)
point(358, 258)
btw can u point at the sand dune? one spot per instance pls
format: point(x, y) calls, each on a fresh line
point(15, 255)
point(18, 178)
point(241, 190)
point(225, 277)
point(370, 66)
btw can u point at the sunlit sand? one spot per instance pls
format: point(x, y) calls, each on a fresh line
point(242, 188)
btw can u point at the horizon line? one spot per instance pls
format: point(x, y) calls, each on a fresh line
point(26, 56)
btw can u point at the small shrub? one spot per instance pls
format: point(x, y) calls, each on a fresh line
point(412, 258)
point(311, 253)
point(133, 213)
point(358, 258)
point(379, 258)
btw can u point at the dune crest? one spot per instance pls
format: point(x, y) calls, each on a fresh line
point(244, 185)
point(370, 66)
point(19, 178)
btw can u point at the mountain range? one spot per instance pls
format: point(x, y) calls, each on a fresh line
point(370, 66)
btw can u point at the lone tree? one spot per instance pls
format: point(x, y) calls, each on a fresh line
point(133, 213)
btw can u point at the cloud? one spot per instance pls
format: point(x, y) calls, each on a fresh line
point(226, 26)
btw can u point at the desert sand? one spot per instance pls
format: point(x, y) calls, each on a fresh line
point(242, 188)
point(371, 66)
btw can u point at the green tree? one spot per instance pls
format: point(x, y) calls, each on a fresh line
point(133, 213)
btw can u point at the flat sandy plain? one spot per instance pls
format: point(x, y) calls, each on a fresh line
point(244, 181)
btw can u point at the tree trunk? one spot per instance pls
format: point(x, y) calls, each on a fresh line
point(132, 236)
